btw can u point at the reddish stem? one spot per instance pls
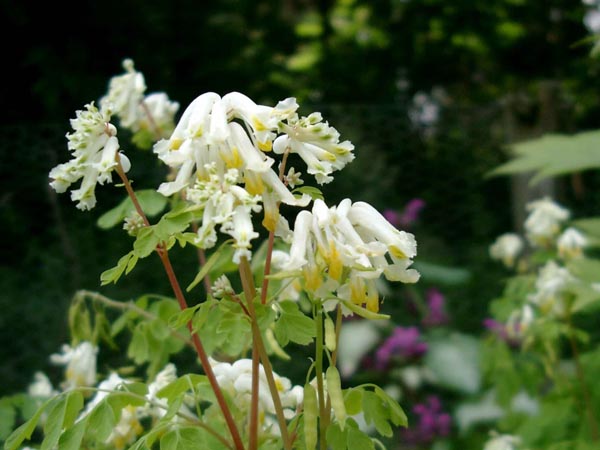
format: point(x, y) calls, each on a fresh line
point(164, 257)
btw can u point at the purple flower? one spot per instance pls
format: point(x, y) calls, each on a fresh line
point(431, 422)
point(436, 314)
point(409, 215)
point(502, 331)
point(403, 343)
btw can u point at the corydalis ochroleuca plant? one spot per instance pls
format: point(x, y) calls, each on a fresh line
point(228, 162)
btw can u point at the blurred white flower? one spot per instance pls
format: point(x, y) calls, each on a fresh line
point(357, 338)
point(80, 364)
point(125, 94)
point(94, 147)
point(550, 284)
point(571, 244)
point(592, 20)
point(544, 221)
point(506, 248)
point(503, 442)
point(41, 387)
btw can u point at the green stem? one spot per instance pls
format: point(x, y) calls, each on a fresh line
point(585, 391)
point(258, 344)
point(184, 416)
point(319, 370)
point(204, 361)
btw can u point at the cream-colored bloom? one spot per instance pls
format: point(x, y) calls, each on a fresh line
point(157, 111)
point(503, 442)
point(571, 243)
point(316, 143)
point(41, 387)
point(506, 248)
point(94, 147)
point(544, 221)
point(346, 248)
point(125, 94)
point(80, 364)
point(550, 286)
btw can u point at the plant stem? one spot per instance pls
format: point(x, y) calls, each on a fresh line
point(164, 257)
point(585, 391)
point(319, 371)
point(338, 327)
point(271, 240)
point(258, 344)
point(157, 130)
point(95, 296)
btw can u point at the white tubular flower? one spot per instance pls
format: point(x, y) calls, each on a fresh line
point(112, 383)
point(126, 430)
point(347, 248)
point(550, 284)
point(94, 146)
point(262, 119)
point(161, 110)
point(125, 94)
point(236, 380)
point(316, 143)
point(506, 248)
point(571, 244)
point(544, 220)
point(80, 364)
point(242, 231)
point(163, 378)
point(41, 387)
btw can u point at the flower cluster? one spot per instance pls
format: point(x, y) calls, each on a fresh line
point(431, 422)
point(405, 343)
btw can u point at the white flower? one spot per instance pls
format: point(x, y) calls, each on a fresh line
point(519, 322)
point(571, 243)
point(112, 383)
point(94, 146)
point(506, 248)
point(316, 143)
point(125, 94)
point(162, 379)
point(544, 220)
point(357, 338)
point(347, 248)
point(80, 364)
point(236, 380)
point(550, 284)
point(41, 387)
point(126, 430)
point(592, 20)
point(157, 111)
point(503, 442)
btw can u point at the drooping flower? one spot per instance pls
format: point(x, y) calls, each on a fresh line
point(550, 288)
point(346, 248)
point(316, 143)
point(125, 94)
point(571, 243)
point(158, 112)
point(544, 220)
point(94, 146)
point(80, 364)
point(506, 248)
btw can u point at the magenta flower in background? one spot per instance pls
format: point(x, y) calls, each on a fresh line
point(403, 343)
point(409, 215)
point(430, 423)
point(436, 314)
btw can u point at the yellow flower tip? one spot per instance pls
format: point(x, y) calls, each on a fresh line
point(175, 143)
point(270, 221)
point(199, 132)
point(395, 251)
point(335, 263)
point(373, 303)
point(258, 125)
point(312, 279)
point(279, 386)
point(253, 184)
point(233, 160)
point(266, 146)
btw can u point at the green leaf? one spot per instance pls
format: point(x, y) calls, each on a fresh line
point(311, 191)
point(397, 414)
point(554, 154)
point(187, 438)
point(353, 400)
point(182, 384)
point(356, 439)
point(171, 224)
point(336, 438)
point(71, 438)
point(589, 225)
point(454, 361)
point(293, 325)
point(13, 442)
point(150, 201)
point(145, 242)
point(181, 318)
point(376, 412)
point(113, 275)
point(440, 274)
point(210, 263)
point(101, 421)
point(7, 417)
